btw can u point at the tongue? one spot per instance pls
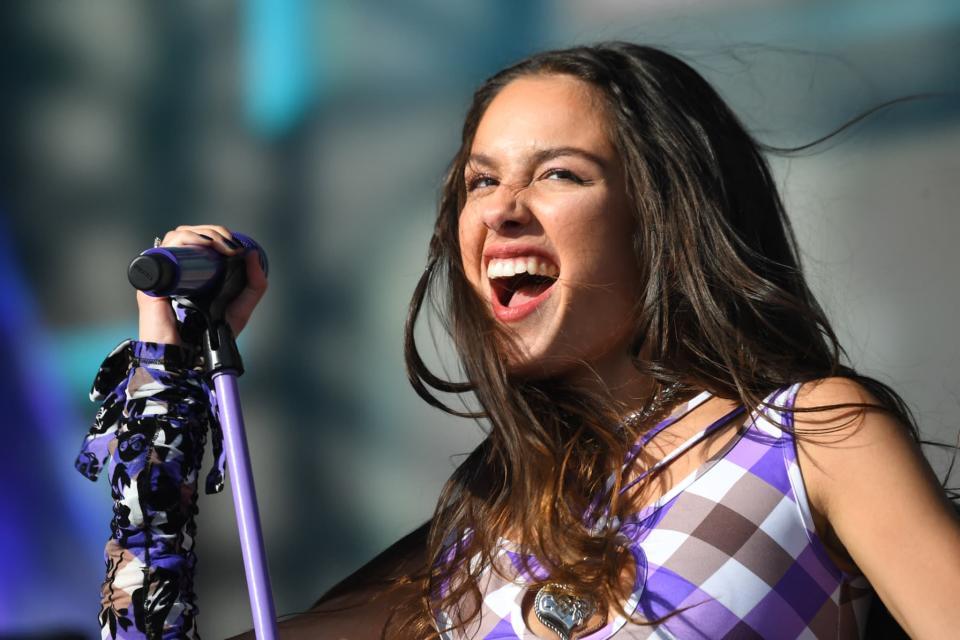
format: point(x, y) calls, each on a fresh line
point(527, 292)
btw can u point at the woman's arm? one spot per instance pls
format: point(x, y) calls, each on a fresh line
point(880, 497)
point(359, 606)
point(151, 426)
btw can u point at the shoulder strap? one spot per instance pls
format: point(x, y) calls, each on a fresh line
point(687, 444)
point(689, 406)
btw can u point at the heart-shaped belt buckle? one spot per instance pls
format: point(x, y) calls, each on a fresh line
point(562, 610)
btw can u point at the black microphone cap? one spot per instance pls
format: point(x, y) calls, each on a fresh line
point(153, 272)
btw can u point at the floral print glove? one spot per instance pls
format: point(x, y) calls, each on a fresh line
point(156, 408)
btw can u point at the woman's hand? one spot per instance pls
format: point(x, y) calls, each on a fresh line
point(157, 320)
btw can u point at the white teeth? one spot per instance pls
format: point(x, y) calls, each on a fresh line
point(507, 267)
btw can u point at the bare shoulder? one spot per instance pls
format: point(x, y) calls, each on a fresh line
point(826, 408)
point(833, 390)
point(866, 473)
point(840, 444)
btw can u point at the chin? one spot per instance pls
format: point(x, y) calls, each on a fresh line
point(542, 353)
point(542, 365)
point(530, 370)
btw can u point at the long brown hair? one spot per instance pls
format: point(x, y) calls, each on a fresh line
point(725, 307)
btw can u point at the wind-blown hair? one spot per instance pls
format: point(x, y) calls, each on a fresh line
point(724, 307)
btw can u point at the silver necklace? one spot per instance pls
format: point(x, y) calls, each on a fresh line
point(658, 403)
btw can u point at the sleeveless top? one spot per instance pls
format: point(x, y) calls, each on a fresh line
point(732, 547)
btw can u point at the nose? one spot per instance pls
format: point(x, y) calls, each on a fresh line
point(506, 210)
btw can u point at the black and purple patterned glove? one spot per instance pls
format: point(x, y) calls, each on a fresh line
point(152, 423)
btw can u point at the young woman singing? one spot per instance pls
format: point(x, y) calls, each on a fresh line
point(675, 446)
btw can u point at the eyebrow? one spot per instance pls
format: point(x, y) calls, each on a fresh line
point(543, 155)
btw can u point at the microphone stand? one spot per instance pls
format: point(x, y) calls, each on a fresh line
point(223, 367)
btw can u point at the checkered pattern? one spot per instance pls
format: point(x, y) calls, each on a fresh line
point(733, 543)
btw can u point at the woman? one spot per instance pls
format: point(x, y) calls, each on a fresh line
point(624, 291)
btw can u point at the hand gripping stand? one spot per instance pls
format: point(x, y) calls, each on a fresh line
point(223, 367)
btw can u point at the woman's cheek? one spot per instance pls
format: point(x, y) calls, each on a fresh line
point(579, 207)
point(470, 257)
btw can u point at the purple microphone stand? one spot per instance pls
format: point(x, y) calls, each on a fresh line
point(223, 365)
point(223, 369)
point(244, 498)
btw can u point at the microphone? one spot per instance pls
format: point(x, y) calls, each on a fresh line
point(185, 271)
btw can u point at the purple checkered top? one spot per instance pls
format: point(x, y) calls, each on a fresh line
point(732, 545)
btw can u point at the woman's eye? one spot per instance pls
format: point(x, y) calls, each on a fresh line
point(562, 174)
point(478, 182)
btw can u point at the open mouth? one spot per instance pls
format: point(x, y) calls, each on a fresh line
point(520, 289)
point(518, 285)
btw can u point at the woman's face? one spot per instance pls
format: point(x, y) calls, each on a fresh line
point(546, 231)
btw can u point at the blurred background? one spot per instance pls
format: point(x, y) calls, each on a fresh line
point(322, 129)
